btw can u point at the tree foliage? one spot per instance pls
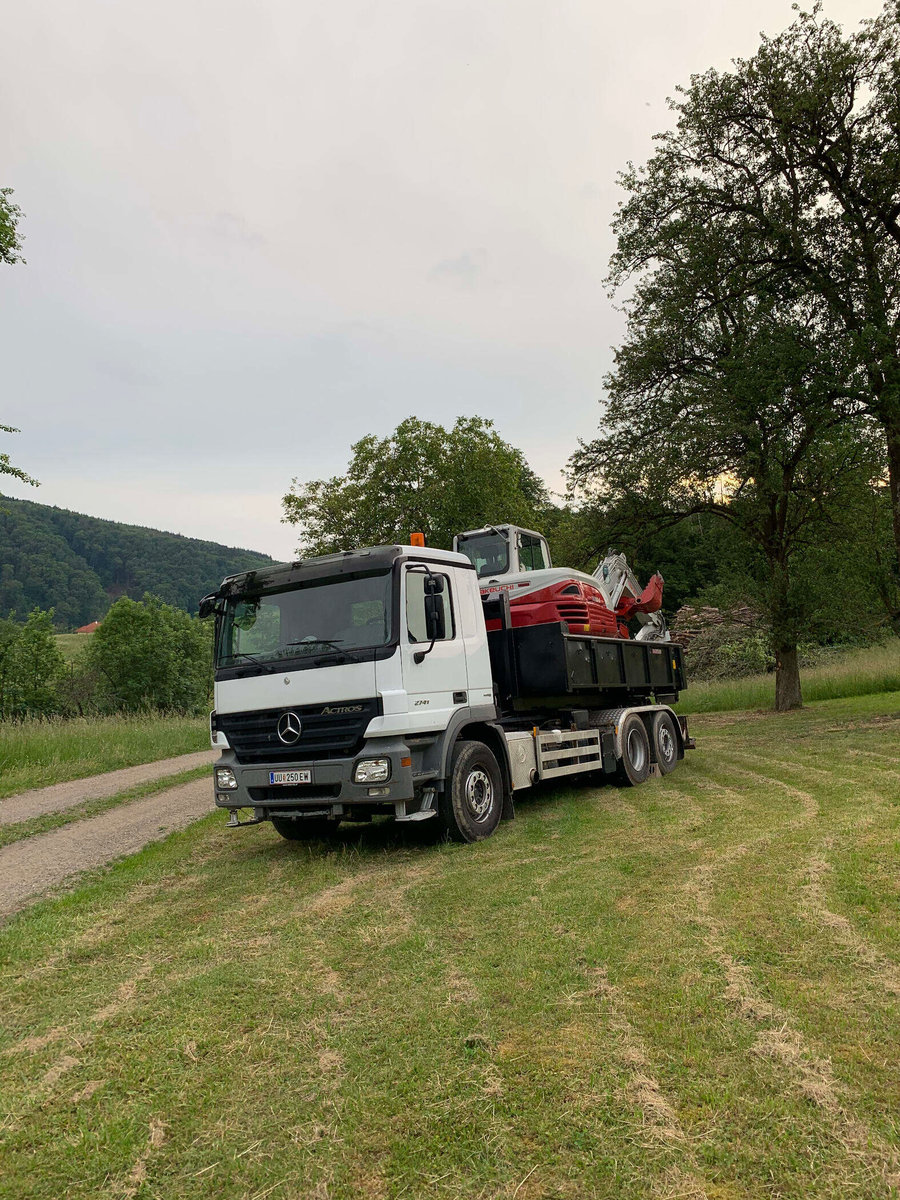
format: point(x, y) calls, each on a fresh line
point(10, 238)
point(31, 667)
point(149, 655)
point(7, 467)
point(791, 164)
point(78, 565)
point(760, 377)
point(422, 477)
point(733, 395)
point(10, 245)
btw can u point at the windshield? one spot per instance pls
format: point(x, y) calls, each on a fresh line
point(324, 616)
point(488, 552)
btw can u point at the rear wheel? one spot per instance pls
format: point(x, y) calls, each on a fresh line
point(471, 804)
point(634, 765)
point(665, 742)
point(305, 829)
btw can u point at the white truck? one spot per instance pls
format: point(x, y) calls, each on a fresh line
point(382, 681)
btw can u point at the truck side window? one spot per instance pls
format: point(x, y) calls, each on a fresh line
point(531, 554)
point(415, 607)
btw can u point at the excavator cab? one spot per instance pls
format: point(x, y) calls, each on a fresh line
point(499, 550)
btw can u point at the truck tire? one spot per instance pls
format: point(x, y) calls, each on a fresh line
point(305, 829)
point(471, 804)
point(634, 765)
point(665, 742)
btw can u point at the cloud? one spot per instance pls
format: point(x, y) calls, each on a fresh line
point(232, 228)
point(466, 270)
point(256, 233)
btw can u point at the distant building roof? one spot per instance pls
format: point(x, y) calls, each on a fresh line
point(89, 628)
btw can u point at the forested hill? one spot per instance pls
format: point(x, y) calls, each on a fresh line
point(78, 565)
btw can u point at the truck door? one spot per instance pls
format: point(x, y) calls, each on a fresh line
point(437, 684)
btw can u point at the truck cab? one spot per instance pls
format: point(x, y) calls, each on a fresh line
point(340, 682)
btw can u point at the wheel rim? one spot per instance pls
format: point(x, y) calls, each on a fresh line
point(666, 744)
point(637, 753)
point(479, 793)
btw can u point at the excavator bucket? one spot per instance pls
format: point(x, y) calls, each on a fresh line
point(649, 601)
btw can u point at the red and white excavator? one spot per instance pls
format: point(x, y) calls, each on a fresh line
point(508, 558)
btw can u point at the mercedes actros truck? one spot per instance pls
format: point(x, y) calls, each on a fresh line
point(421, 683)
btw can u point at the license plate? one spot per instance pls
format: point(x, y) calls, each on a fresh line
point(290, 777)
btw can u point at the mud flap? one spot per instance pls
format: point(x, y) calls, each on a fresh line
point(689, 743)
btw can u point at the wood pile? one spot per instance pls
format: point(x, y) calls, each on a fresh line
point(693, 620)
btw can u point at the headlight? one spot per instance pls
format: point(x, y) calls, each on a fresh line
point(225, 778)
point(372, 770)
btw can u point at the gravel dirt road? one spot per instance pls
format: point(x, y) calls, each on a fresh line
point(30, 867)
point(61, 796)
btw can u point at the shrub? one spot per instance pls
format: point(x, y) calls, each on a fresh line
point(31, 667)
point(147, 654)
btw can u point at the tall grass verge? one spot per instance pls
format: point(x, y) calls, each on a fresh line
point(856, 673)
point(35, 754)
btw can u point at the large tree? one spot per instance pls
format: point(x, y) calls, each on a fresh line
point(732, 396)
point(422, 477)
point(10, 247)
point(792, 159)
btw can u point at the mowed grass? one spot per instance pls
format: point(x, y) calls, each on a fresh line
point(688, 989)
point(866, 672)
point(35, 753)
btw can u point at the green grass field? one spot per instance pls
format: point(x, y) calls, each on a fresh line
point(856, 673)
point(72, 644)
point(688, 989)
point(35, 754)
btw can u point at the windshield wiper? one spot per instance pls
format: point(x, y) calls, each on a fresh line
point(252, 657)
point(314, 641)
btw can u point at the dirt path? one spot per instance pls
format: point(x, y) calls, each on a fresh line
point(60, 796)
point(35, 864)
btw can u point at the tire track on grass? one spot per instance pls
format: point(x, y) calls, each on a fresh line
point(808, 802)
point(661, 1122)
point(606, 1005)
point(776, 1036)
point(78, 1039)
point(882, 971)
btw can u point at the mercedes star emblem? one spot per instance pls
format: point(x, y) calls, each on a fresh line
point(289, 728)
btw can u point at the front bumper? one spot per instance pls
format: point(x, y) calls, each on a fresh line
point(331, 790)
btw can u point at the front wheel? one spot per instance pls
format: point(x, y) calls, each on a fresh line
point(305, 829)
point(471, 804)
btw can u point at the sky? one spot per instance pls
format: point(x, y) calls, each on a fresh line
point(256, 232)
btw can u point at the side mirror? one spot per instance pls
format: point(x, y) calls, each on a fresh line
point(434, 617)
point(434, 584)
point(208, 606)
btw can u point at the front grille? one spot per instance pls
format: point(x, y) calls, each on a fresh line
point(324, 734)
point(309, 792)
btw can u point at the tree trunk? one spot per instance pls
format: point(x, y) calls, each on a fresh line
point(892, 432)
point(787, 679)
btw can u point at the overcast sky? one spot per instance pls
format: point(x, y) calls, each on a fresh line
point(257, 231)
